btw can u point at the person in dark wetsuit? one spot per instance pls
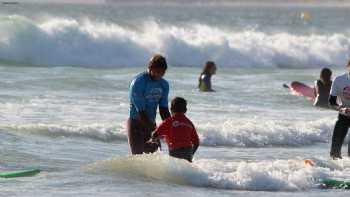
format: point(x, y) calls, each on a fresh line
point(148, 90)
point(209, 69)
point(322, 88)
point(341, 90)
point(178, 131)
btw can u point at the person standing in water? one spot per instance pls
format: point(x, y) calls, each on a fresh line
point(340, 89)
point(148, 90)
point(209, 69)
point(178, 131)
point(322, 88)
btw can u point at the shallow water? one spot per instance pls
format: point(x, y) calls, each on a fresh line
point(65, 71)
point(70, 122)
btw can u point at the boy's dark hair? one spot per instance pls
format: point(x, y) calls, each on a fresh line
point(157, 61)
point(178, 105)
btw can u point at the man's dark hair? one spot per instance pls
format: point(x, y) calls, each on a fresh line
point(158, 61)
point(178, 105)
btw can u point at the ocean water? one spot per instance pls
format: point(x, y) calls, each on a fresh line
point(65, 71)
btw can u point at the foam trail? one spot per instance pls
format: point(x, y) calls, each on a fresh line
point(69, 42)
point(270, 175)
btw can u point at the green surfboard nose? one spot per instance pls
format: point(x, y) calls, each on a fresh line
point(19, 173)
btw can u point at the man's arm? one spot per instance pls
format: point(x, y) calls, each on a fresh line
point(146, 121)
point(332, 102)
point(334, 105)
point(138, 100)
point(164, 112)
point(163, 103)
point(136, 94)
point(194, 148)
point(332, 99)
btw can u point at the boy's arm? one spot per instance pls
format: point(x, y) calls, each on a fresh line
point(194, 149)
point(161, 130)
point(195, 140)
point(154, 136)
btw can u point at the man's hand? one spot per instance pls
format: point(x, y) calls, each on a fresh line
point(151, 126)
point(152, 140)
point(151, 146)
point(345, 110)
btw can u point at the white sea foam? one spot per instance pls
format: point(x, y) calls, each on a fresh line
point(66, 41)
point(270, 175)
point(255, 133)
point(231, 133)
point(95, 131)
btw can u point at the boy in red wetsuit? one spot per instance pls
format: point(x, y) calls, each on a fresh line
point(178, 131)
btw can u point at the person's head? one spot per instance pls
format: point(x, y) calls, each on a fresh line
point(348, 65)
point(157, 66)
point(326, 74)
point(178, 105)
point(209, 68)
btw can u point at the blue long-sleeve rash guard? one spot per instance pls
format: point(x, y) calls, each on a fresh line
point(146, 94)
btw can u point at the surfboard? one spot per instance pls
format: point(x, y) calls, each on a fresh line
point(19, 173)
point(301, 89)
point(335, 184)
point(327, 183)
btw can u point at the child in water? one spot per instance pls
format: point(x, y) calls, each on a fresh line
point(322, 88)
point(178, 131)
point(209, 69)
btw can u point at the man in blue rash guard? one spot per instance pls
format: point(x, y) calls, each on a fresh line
point(148, 90)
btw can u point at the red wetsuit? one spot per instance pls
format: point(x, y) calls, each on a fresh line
point(179, 134)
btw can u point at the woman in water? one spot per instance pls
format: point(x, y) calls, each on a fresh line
point(322, 88)
point(209, 69)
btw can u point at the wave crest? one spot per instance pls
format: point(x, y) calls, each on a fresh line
point(69, 42)
point(100, 132)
